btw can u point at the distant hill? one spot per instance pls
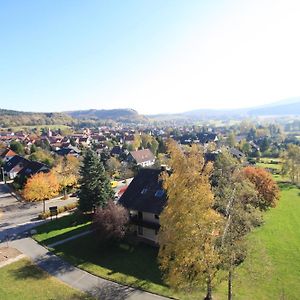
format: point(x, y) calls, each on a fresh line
point(277, 110)
point(10, 118)
point(129, 115)
point(283, 108)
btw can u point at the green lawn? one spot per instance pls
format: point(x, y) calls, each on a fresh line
point(272, 269)
point(62, 228)
point(132, 265)
point(24, 281)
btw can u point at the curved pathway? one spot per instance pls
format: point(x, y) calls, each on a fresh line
point(100, 288)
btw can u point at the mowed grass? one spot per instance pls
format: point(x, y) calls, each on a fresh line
point(24, 281)
point(62, 228)
point(124, 263)
point(272, 268)
point(134, 265)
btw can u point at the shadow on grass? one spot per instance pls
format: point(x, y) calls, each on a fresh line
point(285, 185)
point(28, 271)
point(120, 260)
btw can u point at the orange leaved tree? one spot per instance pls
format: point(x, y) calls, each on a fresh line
point(268, 192)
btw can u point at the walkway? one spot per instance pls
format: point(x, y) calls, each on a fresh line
point(100, 288)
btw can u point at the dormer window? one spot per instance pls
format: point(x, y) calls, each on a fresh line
point(144, 191)
point(159, 193)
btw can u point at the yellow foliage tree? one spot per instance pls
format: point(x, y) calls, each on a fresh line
point(67, 172)
point(189, 225)
point(41, 187)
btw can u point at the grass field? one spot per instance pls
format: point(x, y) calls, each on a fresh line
point(62, 228)
point(24, 281)
point(272, 269)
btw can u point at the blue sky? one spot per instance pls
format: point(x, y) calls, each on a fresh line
point(153, 56)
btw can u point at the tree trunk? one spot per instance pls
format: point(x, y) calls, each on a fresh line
point(230, 285)
point(44, 206)
point(209, 291)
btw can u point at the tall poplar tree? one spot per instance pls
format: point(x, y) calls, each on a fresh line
point(189, 225)
point(95, 188)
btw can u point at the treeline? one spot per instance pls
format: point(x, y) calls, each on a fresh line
point(10, 118)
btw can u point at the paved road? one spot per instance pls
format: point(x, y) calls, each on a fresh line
point(77, 278)
point(18, 216)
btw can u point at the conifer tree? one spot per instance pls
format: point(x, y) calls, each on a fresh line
point(95, 188)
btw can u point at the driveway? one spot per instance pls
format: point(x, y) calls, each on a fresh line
point(18, 216)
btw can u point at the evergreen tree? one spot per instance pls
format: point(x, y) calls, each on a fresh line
point(95, 189)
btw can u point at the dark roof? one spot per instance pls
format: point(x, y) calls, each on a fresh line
point(140, 194)
point(141, 156)
point(116, 150)
point(236, 153)
point(68, 150)
point(32, 168)
point(14, 161)
point(207, 137)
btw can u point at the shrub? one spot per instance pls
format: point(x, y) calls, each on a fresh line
point(60, 210)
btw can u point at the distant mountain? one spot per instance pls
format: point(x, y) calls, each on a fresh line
point(126, 114)
point(282, 108)
point(290, 108)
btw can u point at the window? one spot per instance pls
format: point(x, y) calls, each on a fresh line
point(140, 230)
point(159, 193)
point(144, 191)
point(156, 217)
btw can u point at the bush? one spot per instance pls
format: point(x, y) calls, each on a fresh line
point(60, 210)
point(110, 222)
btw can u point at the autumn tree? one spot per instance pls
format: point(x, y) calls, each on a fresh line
point(67, 172)
point(109, 222)
point(235, 198)
point(291, 163)
point(137, 141)
point(95, 188)
point(41, 187)
point(113, 165)
point(231, 140)
point(268, 192)
point(189, 225)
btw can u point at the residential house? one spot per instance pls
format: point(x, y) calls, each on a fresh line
point(7, 154)
point(32, 168)
point(145, 199)
point(143, 158)
point(14, 166)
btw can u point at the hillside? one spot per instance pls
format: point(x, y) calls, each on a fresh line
point(128, 115)
point(10, 118)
